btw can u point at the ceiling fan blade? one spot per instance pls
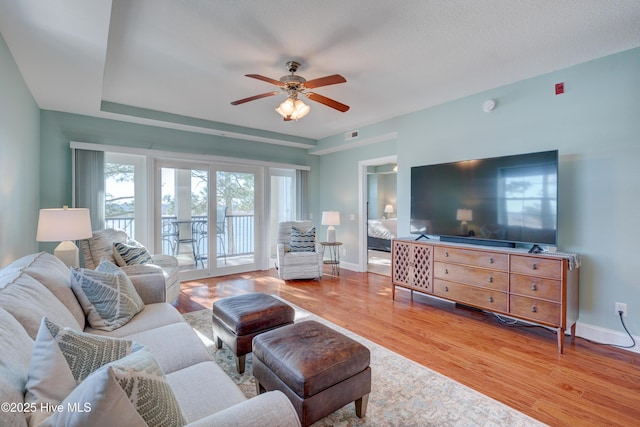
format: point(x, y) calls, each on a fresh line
point(325, 81)
point(253, 98)
point(266, 79)
point(327, 101)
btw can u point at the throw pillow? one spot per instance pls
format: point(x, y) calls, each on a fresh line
point(130, 254)
point(29, 301)
point(303, 241)
point(106, 294)
point(131, 391)
point(62, 358)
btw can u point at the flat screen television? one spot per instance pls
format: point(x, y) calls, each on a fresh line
point(498, 201)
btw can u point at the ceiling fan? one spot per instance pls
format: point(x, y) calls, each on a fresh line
point(293, 108)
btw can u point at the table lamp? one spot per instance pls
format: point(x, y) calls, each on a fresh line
point(464, 215)
point(388, 210)
point(331, 218)
point(64, 225)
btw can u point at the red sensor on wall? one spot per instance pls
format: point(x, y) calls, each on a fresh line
point(559, 88)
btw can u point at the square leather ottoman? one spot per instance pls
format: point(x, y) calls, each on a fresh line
point(238, 319)
point(317, 368)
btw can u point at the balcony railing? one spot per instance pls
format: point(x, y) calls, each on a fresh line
point(234, 234)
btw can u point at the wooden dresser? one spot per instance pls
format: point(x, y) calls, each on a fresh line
point(537, 288)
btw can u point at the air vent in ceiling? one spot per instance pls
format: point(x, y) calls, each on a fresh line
point(352, 134)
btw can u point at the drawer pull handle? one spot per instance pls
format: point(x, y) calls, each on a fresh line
point(534, 266)
point(534, 309)
point(446, 271)
point(490, 299)
point(490, 279)
point(446, 254)
point(446, 289)
point(490, 260)
point(534, 287)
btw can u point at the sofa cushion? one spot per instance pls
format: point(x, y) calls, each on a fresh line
point(131, 391)
point(55, 276)
point(29, 301)
point(174, 346)
point(130, 254)
point(16, 348)
point(106, 295)
point(303, 241)
point(62, 358)
point(204, 389)
point(151, 317)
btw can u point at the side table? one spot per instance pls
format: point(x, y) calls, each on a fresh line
point(334, 256)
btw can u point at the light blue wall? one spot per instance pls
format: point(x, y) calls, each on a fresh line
point(336, 189)
point(19, 154)
point(595, 126)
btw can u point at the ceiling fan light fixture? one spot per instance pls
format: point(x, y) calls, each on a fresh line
point(287, 107)
point(293, 109)
point(301, 108)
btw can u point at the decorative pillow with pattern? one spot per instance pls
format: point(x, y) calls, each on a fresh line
point(131, 391)
point(62, 358)
point(303, 241)
point(130, 253)
point(106, 295)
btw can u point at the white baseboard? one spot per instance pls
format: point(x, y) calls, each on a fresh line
point(608, 336)
point(349, 266)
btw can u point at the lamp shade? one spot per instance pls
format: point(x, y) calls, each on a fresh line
point(388, 209)
point(330, 218)
point(464, 215)
point(57, 225)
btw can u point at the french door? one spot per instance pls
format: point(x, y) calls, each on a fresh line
point(208, 217)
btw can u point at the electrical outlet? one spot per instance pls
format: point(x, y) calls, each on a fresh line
point(621, 307)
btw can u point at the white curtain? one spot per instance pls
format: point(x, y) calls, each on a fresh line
point(302, 192)
point(89, 184)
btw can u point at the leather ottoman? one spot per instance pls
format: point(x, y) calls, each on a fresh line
point(238, 319)
point(317, 368)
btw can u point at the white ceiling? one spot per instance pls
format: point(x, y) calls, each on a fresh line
point(189, 57)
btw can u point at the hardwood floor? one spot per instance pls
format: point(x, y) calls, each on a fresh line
point(587, 385)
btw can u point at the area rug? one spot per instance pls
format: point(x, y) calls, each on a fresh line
point(403, 393)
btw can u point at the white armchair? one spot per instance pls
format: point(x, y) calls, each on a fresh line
point(297, 265)
point(101, 245)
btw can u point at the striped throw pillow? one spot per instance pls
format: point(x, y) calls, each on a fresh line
point(130, 254)
point(303, 241)
point(106, 295)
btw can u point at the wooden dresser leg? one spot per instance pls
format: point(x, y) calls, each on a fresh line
point(560, 340)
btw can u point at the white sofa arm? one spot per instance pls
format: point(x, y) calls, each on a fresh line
point(282, 249)
point(271, 409)
point(164, 260)
point(150, 287)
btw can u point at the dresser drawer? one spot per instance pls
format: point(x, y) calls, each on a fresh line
point(470, 275)
point(551, 268)
point(471, 257)
point(536, 287)
point(537, 310)
point(483, 298)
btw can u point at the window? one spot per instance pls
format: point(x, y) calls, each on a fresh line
point(527, 197)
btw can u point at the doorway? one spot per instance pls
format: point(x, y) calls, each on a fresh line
point(378, 208)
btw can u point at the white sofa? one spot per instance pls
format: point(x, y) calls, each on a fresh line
point(39, 285)
point(100, 245)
